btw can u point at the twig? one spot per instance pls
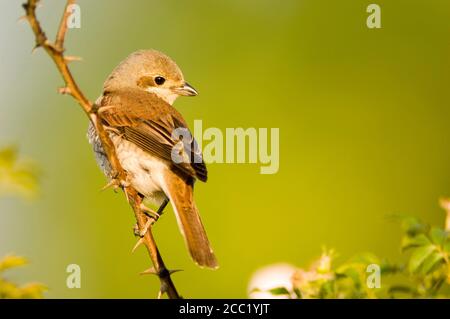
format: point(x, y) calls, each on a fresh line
point(56, 52)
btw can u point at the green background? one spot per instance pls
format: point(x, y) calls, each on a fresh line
point(364, 133)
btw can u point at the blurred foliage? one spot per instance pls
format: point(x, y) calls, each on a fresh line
point(424, 274)
point(12, 290)
point(20, 178)
point(17, 176)
point(363, 118)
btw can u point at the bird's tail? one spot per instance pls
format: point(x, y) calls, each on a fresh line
point(180, 195)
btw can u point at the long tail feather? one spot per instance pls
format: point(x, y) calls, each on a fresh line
point(180, 194)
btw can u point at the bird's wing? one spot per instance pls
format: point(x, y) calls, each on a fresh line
point(156, 127)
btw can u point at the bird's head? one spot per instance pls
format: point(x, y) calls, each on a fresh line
point(151, 71)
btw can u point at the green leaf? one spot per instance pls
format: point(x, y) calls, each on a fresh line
point(418, 257)
point(365, 258)
point(279, 291)
point(8, 156)
point(447, 247)
point(400, 289)
point(11, 262)
point(412, 226)
point(32, 291)
point(17, 177)
point(391, 269)
point(352, 273)
point(415, 241)
point(432, 262)
point(326, 290)
point(298, 293)
point(438, 235)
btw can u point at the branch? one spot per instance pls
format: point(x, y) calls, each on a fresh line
point(56, 52)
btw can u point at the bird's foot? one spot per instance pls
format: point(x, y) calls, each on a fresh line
point(141, 232)
point(152, 217)
point(150, 213)
point(115, 184)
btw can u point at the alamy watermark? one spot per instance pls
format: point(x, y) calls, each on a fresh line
point(74, 17)
point(234, 145)
point(374, 19)
point(374, 279)
point(74, 278)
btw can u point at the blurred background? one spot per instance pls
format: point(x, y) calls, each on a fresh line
point(364, 133)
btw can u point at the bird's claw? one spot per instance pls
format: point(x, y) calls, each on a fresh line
point(115, 184)
point(151, 216)
point(147, 225)
point(150, 213)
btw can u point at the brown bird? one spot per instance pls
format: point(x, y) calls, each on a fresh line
point(136, 110)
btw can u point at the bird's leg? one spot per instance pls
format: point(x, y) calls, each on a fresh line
point(161, 208)
point(141, 232)
point(150, 213)
point(115, 183)
point(152, 217)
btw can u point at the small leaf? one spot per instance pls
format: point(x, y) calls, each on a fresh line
point(418, 257)
point(32, 291)
point(351, 273)
point(11, 262)
point(438, 235)
point(326, 290)
point(432, 262)
point(447, 247)
point(366, 259)
point(415, 241)
point(390, 269)
point(8, 156)
point(400, 289)
point(298, 293)
point(412, 226)
point(279, 291)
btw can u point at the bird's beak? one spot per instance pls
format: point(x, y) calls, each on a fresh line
point(187, 90)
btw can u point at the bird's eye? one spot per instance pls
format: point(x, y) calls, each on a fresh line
point(160, 80)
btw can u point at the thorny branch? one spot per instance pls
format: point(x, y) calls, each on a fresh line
point(56, 52)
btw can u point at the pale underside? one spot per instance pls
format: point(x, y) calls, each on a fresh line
point(145, 172)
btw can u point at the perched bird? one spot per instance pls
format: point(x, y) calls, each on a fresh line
point(136, 110)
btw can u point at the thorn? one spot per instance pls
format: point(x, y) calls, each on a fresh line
point(150, 271)
point(149, 212)
point(22, 19)
point(127, 196)
point(64, 90)
point(37, 46)
point(139, 243)
point(71, 58)
point(112, 183)
point(174, 271)
point(162, 290)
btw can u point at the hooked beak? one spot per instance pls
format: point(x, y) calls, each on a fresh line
point(186, 90)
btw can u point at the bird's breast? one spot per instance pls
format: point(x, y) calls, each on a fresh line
point(144, 171)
